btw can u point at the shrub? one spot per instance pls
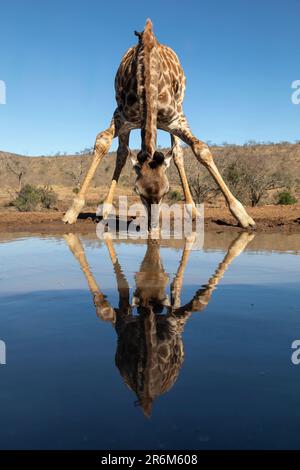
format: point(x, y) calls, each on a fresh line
point(124, 179)
point(175, 195)
point(251, 179)
point(27, 199)
point(31, 198)
point(48, 197)
point(286, 198)
point(233, 174)
point(75, 190)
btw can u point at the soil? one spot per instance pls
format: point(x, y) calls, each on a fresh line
point(269, 219)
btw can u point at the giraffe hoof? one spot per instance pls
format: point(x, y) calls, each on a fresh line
point(106, 210)
point(238, 211)
point(250, 224)
point(106, 215)
point(71, 215)
point(247, 222)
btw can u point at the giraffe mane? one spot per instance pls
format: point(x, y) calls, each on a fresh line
point(147, 80)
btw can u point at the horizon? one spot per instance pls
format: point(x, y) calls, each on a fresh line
point(59, 63)
point(88, 151)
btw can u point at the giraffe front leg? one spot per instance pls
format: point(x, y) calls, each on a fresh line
point(102, 145)
point(122, 154)
point(204, 156)
point(177, 154)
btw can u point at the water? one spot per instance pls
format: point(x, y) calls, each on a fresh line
point(80, 376)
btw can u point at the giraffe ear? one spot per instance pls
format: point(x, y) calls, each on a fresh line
point(135, 163)
point(168, 159)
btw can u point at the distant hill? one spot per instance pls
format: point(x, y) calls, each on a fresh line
point(67, 171)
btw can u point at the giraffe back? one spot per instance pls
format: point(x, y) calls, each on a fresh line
point(149, 355)
point(170, 86)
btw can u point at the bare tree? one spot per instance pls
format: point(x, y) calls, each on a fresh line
point(86, 151)
point(78, 171)
point(17, 168)
point(251, 178)
point(203, 188)
point(258, 183)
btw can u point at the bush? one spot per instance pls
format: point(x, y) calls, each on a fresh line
point(203, 188)
point(48, 197)
point(27, 199)
point(251, 179)
point(286, 198)
point(31, 198)
point(175, 195)
point(124, 180)
point(75, 190)
point(234, 175)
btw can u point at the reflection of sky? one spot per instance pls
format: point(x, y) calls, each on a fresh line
point(237, 387)
point(33, 264)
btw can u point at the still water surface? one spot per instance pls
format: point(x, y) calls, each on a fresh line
point(129, 345)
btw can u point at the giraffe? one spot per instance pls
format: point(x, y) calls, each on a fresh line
point(150, 87)
point(150, 349)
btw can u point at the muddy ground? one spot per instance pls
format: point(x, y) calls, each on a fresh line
point(269, 219)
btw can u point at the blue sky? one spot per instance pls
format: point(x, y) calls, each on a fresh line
point(58, 59)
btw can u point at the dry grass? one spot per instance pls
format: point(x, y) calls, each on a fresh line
point(64, 173)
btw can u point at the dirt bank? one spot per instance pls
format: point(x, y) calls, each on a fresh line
point(269, 219)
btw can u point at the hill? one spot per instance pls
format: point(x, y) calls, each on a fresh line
point(64, 173)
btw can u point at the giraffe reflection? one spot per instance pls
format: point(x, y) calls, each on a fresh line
point(150, 349)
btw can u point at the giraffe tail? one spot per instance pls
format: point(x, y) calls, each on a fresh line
point(147, 85)
point(149, 40)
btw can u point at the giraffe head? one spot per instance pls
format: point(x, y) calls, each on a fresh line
point(151, 182)
point(151, 281)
